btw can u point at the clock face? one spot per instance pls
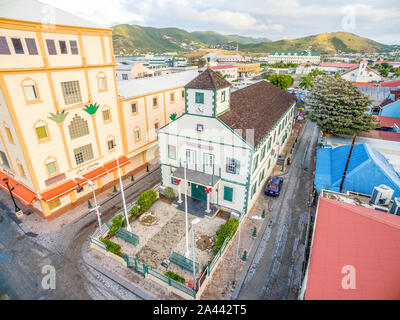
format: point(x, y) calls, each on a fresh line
point(200, 109)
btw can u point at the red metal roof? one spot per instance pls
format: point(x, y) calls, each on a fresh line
point(338, 64)
point(350, 235)
point(364, 84)
point(21, 192)
point(228, 66)
point(391, 84)
point(388, 121)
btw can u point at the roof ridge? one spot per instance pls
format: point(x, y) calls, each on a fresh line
point(212, 78)
point(373, 214)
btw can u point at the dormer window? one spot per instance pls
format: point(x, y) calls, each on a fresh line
point(200, 97)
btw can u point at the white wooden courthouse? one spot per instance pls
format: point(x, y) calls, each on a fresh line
point(229, 142)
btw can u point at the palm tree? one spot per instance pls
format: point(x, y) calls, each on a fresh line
point(92, 109)
point(59, 118)
point(306, 82)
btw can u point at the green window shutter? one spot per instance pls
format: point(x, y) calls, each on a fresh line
point(228, 194)
point(263, 152)
point(41, 132)
point(51, 167)
point(199, 97)
point(237, 166)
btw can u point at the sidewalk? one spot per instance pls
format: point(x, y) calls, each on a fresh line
point(38, 225)
point(220, 285)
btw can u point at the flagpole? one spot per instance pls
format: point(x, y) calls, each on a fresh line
point(186, 213)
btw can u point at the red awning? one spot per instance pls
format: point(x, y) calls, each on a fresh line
point(21, 192)
point(96, 173)
point(111, 166)
point(59, 191)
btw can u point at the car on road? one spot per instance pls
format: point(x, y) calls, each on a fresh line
point(274, 186)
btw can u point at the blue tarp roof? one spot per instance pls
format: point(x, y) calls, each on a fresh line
point(367, 168)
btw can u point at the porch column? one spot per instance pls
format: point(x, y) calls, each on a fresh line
point(208, 192)
point(179, 194)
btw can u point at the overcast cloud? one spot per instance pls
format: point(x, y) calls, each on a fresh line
point(285, 19)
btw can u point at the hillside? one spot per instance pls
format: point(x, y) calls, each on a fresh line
point(324, 42)
point(131, 39)
point(215, 38)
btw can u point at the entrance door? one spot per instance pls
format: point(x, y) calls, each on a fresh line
point(199, 192)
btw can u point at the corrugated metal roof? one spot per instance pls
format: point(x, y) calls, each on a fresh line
point(359, 237)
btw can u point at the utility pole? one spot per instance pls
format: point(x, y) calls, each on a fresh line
point(347, 163)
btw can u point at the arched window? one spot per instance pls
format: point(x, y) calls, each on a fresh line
point(102, 81)
point(78, 127)
point(136, 133)
point(110, 143)
point(41, 130)
point(20, 168)
point(51, 166)
point(106, 111)
point(30, 90)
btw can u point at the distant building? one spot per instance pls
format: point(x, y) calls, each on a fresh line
point(362, 73)
point(248, 69)
point(229, 72)
point(292, 57)
point(354, 253)
point(390, 63)
point(224, 58)
point(132, 71)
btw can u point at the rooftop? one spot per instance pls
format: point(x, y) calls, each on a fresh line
point(208, 80)
point(226, 66)
point(391, 84)
point(259, 107)
point(35, 11)
point(361, 238)
point(338, 64)
point(137, 87)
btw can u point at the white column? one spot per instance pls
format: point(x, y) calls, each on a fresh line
point(179, 193)
point(208, 203)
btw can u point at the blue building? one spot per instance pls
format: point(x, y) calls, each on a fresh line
point(367, 168)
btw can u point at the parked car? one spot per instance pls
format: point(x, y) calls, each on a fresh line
point(274, 185)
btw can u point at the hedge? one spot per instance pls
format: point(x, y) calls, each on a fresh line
point(226, 230)
point(169, 193)
point(112, 246)
point(146, 199)
point(175, 276)
point(118, 221)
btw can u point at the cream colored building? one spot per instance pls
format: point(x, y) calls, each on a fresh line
point(60, 115)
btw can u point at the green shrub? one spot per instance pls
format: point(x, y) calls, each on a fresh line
point(112, 246)
point(175, 276)
point(118, 221)
point(169, 193)
point(146, 199)
point(134, 211)
point(226, 230)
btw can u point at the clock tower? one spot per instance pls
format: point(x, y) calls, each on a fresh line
point(207, 95)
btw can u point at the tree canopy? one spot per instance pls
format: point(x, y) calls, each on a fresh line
point(283, 81)
point(338, 107)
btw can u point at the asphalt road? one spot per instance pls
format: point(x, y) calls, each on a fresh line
point(22, 255)
point(273, 270)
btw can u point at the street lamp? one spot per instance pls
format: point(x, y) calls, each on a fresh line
point(186, 211)
point(96, 207)
point(128, 227)
point(17, 209)
point(196, 220)
point(238, 242)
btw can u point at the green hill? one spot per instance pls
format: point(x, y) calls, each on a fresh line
point(324, 42)
point(215, 38)
point(131, 39)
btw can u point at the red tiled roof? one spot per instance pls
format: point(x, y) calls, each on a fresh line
point(351, 69)
point(350, 235)
point(391, 84)
point(258, 106)
point(382, 135)
point(368, 68)
point(228, 66)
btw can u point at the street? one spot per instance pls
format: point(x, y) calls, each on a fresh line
point(22, 255)
point(273, 270)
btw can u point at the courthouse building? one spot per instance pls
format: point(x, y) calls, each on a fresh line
point(229, 142)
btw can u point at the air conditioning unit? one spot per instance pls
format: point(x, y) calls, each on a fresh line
point(396, 207)
point(379, 208)
point(382, 195)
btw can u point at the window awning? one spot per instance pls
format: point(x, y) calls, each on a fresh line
point(20, 192)
point(59, 191)
point(71, 185)
point(111, 166)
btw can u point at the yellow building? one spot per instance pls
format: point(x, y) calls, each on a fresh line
point(60, 115)
point(248, 69)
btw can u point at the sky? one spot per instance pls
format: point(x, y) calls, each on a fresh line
point(276, 20)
